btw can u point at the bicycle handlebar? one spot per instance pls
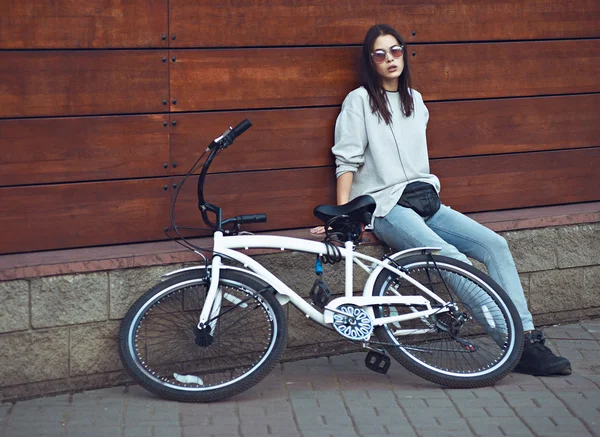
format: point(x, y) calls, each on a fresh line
point(230, 135)
point(246, 219)
point(242, 127)
point(217, 144)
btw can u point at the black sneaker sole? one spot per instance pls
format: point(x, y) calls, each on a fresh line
point(566, 371)
point(557, 371)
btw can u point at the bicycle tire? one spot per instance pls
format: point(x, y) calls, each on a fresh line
point(161, 347)
point(477, 353)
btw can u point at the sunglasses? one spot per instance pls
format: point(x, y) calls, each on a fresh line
point(380, 55)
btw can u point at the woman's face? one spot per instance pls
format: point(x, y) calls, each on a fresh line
point(391, 68)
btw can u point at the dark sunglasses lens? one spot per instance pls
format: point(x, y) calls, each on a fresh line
point(379, 56)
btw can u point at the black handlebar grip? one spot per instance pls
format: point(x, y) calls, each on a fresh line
point(230, 137)
point(242, 127)
point(252, 218)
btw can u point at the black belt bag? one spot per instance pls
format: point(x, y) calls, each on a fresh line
point(421, 197)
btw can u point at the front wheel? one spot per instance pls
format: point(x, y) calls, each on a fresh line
point(168, 355)
point(473, 343)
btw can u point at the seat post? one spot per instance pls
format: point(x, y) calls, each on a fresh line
point(349, 269)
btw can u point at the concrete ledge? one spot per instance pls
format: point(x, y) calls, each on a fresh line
point(60, 262)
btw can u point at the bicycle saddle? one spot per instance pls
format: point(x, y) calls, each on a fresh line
point(358, 210)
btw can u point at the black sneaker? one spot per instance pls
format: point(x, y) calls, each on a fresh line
point(538, 360)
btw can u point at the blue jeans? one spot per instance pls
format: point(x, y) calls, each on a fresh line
point(459, 237)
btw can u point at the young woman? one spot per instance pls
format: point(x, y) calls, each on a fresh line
point(381, 150)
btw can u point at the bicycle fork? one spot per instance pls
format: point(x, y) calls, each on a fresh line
point(214, 297)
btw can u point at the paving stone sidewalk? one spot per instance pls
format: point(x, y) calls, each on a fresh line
point(338, 396)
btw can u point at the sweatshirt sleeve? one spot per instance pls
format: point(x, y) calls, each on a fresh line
point(425, 110)
point(350, 137)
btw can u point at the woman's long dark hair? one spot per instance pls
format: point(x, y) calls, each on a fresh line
point(372, 81)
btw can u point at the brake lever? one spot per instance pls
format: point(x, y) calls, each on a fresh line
point(217, 141)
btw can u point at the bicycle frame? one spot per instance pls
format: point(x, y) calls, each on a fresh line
point(227, 245)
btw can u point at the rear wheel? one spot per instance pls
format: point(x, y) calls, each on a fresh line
point(476, 343)
point(168, 355)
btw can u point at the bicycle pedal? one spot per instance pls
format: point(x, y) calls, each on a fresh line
point(320, 294)
point(377, 362)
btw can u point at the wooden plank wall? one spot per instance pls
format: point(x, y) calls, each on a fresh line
point(104, 105)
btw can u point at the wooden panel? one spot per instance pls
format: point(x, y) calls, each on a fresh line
point(278, 139)
point(460, 71)
point(29, 24)
point(286, 196)
point(278, 77)
point(83, 149)
point(77, 215)
point(291, 138)
point(42, 83)
point(513, 125)
point(281, 22)
point(521, 180)
point(261, 78)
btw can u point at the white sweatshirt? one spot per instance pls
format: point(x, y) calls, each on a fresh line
point(384, 158)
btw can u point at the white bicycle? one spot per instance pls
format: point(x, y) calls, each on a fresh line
point(210, 332)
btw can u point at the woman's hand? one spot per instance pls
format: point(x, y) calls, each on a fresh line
point(318, 230)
